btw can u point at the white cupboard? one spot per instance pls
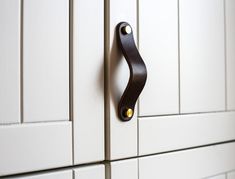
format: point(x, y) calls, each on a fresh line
point(188, 98)
point(41, 88)
point(51, 106)
point(63, 73)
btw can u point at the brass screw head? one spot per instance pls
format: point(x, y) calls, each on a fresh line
point(126, 29)
point(129, 112)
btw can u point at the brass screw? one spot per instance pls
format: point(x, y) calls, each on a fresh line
point(126, 29)
point(129, 112)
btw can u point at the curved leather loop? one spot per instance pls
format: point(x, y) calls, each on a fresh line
point(138, 71)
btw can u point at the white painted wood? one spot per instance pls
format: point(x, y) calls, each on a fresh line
point(10, 61)
point(231, 175)
point(218, 177)
point(123, 169)
point(46, 60)
point(67, 174)
point(158, 43)
point(160, 134)
point(202, 57)
point(88, 74)
point(193, 164)
point(230, 46)
point(90, 172)
point(31, 147)
point(121, 138)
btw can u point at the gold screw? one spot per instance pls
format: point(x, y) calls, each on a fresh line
point(126, 29)
point(129, 112)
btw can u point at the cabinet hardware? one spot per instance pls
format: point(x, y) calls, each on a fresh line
point(138, 71)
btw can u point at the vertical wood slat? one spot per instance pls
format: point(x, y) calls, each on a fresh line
point(10, 61)
point(202, 56)
point(230, 49)
point(158, 44)
point(46, 60)
point(88, 80)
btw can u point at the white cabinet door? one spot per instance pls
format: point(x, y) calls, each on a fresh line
point(52, 104)
point(90, 172)
point(183, 104)
point(36, 86)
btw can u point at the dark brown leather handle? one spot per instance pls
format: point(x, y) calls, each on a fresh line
point(138, 71)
